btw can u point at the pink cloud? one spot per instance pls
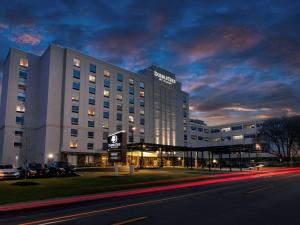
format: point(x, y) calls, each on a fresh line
point(27, 39)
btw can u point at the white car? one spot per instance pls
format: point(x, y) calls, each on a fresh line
point(9, 172)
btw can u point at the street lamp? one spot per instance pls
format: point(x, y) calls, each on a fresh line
point(132, 133)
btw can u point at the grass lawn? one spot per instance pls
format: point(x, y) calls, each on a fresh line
point(86, 183)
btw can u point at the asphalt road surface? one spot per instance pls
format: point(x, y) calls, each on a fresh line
point(269, 200)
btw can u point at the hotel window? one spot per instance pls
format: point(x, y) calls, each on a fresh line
point(23, 74)
point(194, 137)
point(106, 83)
point(20, 120)
point(120, 77)
point(106, 73)
point(106, 115)
point(249, 126)
point(142, 112)
point(90, 134)
point(92, 78)
point(21, 97)
point(92, 100)
point(193, 128)
point(185, 99)
point(249, 136)
point(104, 146)
point(93, 68)
point(142, 140)
point(22, 87)
point(75, 96)
point(142, 130)
point(17, 144)
point(119, 116)
point(200, 129)
point(142, 102)
point(142, 121)
point(200, 138)
point(225, 129)
point(131, 109)
point(73, 144)
point(142, 85)
point(91, 123)
point(130, 139)
point(90, 146)
point(259, 125)
point(76, 85)
point(237, 137)
point(18, 132)
point(131, 128)
point(228, 138)
point(74, 132)
point(24, 62)
point(106, 104)
point(184, 129)
point(119, 87)
point(92, 89)
point(206, 131)
point(237, 128)
point(76, 74)
point(75, 108)
point(74, 121)
point(142, 94)
point(131, 81)
point(20, 108)
point(131, 100)
point(131, 119)
point(76, 62)
point(119, 97)
point(91, 111)
point(105, 135)
point(184, 106)
point(119, 127)
point(105, 125)
point(213, 131)
point(119, 107)
point(106, 93)
point(131, 90)
point(185, 137)
point(184, 114)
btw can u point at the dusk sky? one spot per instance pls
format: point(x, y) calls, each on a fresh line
point(239, 60)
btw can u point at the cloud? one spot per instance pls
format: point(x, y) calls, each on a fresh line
point(27, 39)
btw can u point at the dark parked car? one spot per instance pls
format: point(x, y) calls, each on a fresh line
point(9, 172)
point(37, 170)
point(61, 168)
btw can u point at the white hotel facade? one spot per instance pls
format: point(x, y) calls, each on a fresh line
point(63, 104)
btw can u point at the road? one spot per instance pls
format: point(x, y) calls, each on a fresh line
point(269, 200)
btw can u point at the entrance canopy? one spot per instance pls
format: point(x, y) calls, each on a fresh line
point(212, 149)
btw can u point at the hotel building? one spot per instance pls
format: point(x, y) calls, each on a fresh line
point(62, 105)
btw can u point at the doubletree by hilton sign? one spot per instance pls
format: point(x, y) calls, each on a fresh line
point(117, 140)
point(164, 78)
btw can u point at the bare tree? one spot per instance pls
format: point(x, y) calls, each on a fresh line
point(281, 135)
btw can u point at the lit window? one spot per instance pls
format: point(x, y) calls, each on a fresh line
point(131, 119)
point(106, 73)
point(24, 62)
point(142, 94)
point(142, 130)
point(142, 112)
point(249, 126)
point(75, 97)
point(20, 108)
point(225, 129)
point(73, 144)
point(76, 62)
point(131, 81)
point(92, 78)
point(91, 111)
point(106, 93)
point(119, 97)
point(237, 137)
point(105, 125)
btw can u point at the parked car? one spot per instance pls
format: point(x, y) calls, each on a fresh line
point(37, 170)
point(9, 172)
point(61, 168)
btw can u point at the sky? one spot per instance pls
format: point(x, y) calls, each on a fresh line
point(239, 60)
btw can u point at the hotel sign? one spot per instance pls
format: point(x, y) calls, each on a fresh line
point(117, 140)
point(164, 78)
